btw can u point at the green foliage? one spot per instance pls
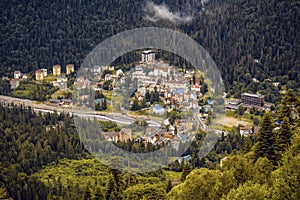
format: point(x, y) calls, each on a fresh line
point(4, 87)
point(198, 185)
point(285, 180)
point(144, 192)
point(30, 140)
point(108, 125)
point(289, 107)
point(249, 191)
point(186, 170)
point(111, 188)
point(266, 140)
point(135, 106)
point(34, 91)
point(284, 136)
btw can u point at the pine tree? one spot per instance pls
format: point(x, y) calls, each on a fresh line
point(289, 107)
point(111, 188)
point(135, 105)
point(266, 140)
point(284, 136)
point(104, 105)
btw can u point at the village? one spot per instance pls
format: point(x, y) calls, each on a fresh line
point(162, 93)
point(152, 90)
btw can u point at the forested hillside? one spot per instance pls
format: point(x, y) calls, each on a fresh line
point(28, 141)
point(252, 39)
point(42, 158)
point(267, 170)
point(37, 34)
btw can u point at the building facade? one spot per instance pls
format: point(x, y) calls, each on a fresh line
point(253, 99)
point(44, 72)
point(56, 70)
point(70, 68)
point(148, 56)
point(39, 75)
point(17, 74)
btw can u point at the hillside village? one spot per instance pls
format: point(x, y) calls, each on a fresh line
point(153, 88)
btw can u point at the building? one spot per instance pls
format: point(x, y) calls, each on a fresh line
point(14, 83)
point(174, 84)
point(196, 88)
point(244, 131)
point(70, 68)
point(148, 56)
point(184, 158)
point(119, 73)
point(107, 77)
point(39, 75)
point(56, 70)
point(44, 72)
point(54, 101)
point(63, 86)
point(125, 134)
point(17, 74)
point(24, 76)
point(122, 136)
point(162, 70)
point(253, 99)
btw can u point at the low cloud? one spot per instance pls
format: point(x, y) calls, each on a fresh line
point(162, 12)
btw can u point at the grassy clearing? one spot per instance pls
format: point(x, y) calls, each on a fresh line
point(229, 121)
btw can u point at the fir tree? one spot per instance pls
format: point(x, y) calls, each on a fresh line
point(284, 136)
point(266, 140)
point(135, 106)
point(111, 188)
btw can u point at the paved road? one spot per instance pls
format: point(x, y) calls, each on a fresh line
point(41, 107)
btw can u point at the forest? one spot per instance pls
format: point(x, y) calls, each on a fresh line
point(42, 157)
point(246, 39)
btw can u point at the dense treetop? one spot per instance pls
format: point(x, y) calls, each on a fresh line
point(37, 34)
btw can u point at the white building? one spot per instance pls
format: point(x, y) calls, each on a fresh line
point(17, 74)
point(119, 72)
point(107, 77)
point(162, 70)
point(44, 72)
point(148, 56)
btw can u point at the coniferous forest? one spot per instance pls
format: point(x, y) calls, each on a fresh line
point(42, 156)
point(36, 34)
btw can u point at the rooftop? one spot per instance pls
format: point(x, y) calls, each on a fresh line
point(252, 95)
point(148, 51)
